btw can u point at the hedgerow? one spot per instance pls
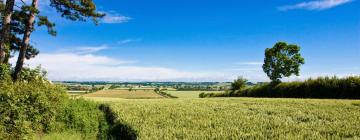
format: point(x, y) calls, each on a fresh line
point(322, 87)
point(34, 107)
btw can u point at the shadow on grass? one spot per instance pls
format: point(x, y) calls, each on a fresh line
point(117, 130)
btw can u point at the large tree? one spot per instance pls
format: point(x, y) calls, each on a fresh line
point(29, 25)
point(28, 15)
point(4, 34)
point(17, 29)
point(282, 60)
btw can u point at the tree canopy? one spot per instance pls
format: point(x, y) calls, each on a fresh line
point(238, 84)
point(282, 60)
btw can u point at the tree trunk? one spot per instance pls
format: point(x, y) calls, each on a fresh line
point(4, 36)
point(25, 42)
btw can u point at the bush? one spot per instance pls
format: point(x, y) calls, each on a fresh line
point(206, 95)
point(84, 117)
point(323, 87)
point(164, 94)
point(238, 84)
point(34, 106)
point(28, 108)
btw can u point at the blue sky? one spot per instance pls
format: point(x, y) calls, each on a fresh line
point(187, 40)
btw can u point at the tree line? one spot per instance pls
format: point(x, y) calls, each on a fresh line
point(284, 60)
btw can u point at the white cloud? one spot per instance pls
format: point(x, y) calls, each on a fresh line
point(66, 66)
point(113, 17)
point(315, 5)
point(250, 63)
point(90, 67)
point(85, 49)
point(127, 41)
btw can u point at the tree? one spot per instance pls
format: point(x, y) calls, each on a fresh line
point(238, 84)
point(76, 10)
point(29, 25)
point(4, 34)
point(282, 60)
point(17, 28)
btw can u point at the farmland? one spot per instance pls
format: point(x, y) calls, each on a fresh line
point(126, 94)
point(190, 94)
point(239, 118)
point(188, 70)
point(152, 116)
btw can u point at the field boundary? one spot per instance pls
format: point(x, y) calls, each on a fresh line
point(117, 130)
point(165, 94)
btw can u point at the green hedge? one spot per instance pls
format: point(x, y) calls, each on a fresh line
point(28, 108)
point(323, 87)
point(31, 109)
point(84, 117)
point(34, 107)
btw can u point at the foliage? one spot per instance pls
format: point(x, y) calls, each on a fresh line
point(34, 106)
point(37, 74)
point(166, 95)
point(83, 117)
point(211, 94)
point(77, 10)
point(240, 118)
point(238, 84)
point(25, 16)
point(323, 87)
point(5, 73)
point(180, 86)
point(190, 94)
point(282, 60)
point(28, 108)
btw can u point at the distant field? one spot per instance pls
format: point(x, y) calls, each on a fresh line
point(126, 94)
point(144, 88)
point(76, 93)
point(147, 88)
point(240, 118)
point(189, 94)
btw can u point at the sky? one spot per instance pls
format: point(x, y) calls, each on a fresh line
point(198, 40)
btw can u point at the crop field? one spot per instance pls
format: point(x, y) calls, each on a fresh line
point(240, 118)
point(126, 94)
point(189, 94)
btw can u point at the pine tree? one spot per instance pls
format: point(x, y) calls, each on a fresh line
point(76, 10)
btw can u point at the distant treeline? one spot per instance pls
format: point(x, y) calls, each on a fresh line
point(323, 88)
point(201, 88)
point(183, 86)
point(87, 88)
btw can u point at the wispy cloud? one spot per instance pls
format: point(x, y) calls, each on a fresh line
point(315, 5)
point(85, 49)
point(127, 41)
point(113, 18)
point(253, 63)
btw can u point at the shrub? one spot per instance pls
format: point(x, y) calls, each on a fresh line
point(166, 95)
point(34, 106)
point(84, 117)
point(238, 84)
point(28, 108)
